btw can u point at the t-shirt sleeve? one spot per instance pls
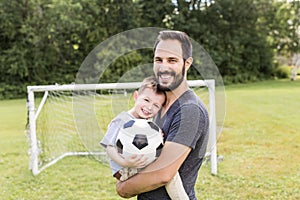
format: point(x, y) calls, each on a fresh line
point(110, 137)
point(186, 126)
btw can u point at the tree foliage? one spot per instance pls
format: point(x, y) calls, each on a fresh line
point(45, 41)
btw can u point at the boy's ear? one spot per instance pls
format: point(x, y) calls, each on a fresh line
point(135, 95)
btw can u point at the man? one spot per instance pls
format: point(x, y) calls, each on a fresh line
point(183, 119)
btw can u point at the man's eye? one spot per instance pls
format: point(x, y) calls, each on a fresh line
point(172, 60)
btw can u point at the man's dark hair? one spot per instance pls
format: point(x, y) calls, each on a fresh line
point(182, 37)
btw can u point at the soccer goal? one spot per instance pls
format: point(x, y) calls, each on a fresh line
point(70, 120)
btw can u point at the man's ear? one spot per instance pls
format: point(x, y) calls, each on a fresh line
point(135, 95)
point(188, 63)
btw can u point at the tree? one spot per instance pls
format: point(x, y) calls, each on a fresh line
point(156, 13)
point(230, 35)
point(45, 42)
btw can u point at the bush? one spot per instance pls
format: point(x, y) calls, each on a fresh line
point(12, 91)
point(282, 72)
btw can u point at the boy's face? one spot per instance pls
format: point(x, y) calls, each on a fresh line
point(147, 103)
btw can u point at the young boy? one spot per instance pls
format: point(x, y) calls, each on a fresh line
point(148, 101)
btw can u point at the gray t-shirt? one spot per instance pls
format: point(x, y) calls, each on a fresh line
point(110, 136)
point(186, 122)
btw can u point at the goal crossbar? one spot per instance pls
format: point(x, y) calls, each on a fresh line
point(76, 87)
point(33, 114)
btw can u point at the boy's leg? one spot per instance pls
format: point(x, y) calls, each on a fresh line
point(175, 189)
point(126, 173)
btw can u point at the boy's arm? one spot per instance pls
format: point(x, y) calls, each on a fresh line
point(133, 161)
point(158, 173)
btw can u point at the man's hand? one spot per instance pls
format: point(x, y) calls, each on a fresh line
point(124, 195)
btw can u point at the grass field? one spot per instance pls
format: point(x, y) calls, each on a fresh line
point(260, 144)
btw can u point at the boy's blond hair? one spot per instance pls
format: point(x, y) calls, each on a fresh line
point(151, 83)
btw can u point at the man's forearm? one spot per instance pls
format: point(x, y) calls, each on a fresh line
point(157, 174)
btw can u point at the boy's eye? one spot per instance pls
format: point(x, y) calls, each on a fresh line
point(157, 106)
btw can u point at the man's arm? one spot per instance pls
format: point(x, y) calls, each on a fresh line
point(158, 173)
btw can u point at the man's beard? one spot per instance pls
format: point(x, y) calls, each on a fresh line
point(177, 80)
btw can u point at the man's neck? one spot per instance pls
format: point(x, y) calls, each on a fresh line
point(173, 95)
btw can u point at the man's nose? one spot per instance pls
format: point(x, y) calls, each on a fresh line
point(163, 66)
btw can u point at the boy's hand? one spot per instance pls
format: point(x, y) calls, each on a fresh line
point(136, 161)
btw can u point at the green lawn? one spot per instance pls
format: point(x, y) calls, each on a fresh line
point(260, 144)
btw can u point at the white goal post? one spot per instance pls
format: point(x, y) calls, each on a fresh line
point(45, 139)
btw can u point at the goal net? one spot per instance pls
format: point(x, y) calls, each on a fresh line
point(70, 120)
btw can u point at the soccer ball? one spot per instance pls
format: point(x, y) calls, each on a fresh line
point(140, 136)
